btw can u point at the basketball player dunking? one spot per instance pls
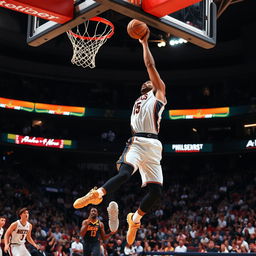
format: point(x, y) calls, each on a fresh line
point(17, 234)
point(143, 150)
point(2, 223)
point(92, 229)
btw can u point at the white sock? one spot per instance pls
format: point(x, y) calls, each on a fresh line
point(101, 192)
point(136, 217)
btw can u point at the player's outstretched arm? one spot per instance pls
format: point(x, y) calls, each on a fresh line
point(103, 234)
point(30, 239)
point(159, 85)
point(7, 235)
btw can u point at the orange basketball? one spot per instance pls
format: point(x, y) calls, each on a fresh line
point(137, 29)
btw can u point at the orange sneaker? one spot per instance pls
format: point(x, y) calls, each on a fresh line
point(132, 229)
point(92, 197)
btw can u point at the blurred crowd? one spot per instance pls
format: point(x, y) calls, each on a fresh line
point(200, 212)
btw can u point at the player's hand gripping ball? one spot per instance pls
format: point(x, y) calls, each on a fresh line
point(137, 29)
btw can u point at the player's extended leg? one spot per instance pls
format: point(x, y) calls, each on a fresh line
point(94, 196)
point(96, 249)
point(133, 219)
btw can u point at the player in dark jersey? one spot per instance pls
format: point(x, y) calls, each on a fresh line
point(92, 230)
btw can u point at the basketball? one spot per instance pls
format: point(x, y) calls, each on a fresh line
point(136, 29)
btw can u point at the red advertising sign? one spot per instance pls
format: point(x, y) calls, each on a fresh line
point(59, 11)
point(39, 142)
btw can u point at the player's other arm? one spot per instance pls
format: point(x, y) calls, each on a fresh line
point(30, 239)
point(103, 234)
point(84, 227)
point(7, 235)
point(159, 85)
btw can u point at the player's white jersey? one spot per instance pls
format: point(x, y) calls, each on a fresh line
point(146, 114)
point(19, 235)
point(1, 233)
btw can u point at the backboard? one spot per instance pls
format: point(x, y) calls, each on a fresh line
point(196, 23)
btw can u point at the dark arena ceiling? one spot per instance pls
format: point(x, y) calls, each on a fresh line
point(234, 50)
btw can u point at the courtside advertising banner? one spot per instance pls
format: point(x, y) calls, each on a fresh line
point(17, 104)
point(188, 148)
point(59, 11)
point(37, 141)
point(42, 108)
point(198, 113)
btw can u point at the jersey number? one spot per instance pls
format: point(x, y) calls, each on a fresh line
point(137, 108)
point(22, 237)
point(93, 233)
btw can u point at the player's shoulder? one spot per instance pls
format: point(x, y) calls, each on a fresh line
point(14, 224)
point(86, 221)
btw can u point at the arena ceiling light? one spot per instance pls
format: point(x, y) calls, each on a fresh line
point(177, 41)
point(249, 125)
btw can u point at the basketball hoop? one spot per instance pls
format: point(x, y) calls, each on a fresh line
point(87, 40)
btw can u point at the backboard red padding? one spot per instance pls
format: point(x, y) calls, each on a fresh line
point(160, 8)
point(59, 11)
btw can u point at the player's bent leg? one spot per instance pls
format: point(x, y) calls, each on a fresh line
point(96, 249)
point(87, 249)
point(92, 197)
point(124, 174)
point(153, 195)
point(132, 229)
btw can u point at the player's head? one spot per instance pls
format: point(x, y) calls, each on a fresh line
point(23, 213)
point(2, 221)
point(93, 213)
point(146, 87)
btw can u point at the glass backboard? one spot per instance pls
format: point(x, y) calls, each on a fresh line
point(196, 23)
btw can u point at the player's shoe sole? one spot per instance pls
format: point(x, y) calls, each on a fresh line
point(92, 197)
point(113, 220)
point(132, 229)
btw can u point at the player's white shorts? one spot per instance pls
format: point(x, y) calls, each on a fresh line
point(18, 250)
point(144, 154)
point(1, 252)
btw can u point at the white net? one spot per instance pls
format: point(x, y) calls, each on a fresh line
point(87, 38)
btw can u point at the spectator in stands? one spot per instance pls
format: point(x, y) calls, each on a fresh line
point(168, 247)
point(138, 248)
point(250, 228)
point(129, 250)
point(222, 222)
point(67, 248)
point(42, 250)
point(57, 234)
point(204, 240)
point(51, 242)
point(211, 247)
point(223, 248)
point(147, 247)
point(181, 247)
point(119, 248)
point(201, 248)
point(59, 251)
point(2, 223)
point(77, 247)
point(40, 234)
point(242, 243)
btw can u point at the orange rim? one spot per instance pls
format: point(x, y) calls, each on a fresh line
point(102, 20)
